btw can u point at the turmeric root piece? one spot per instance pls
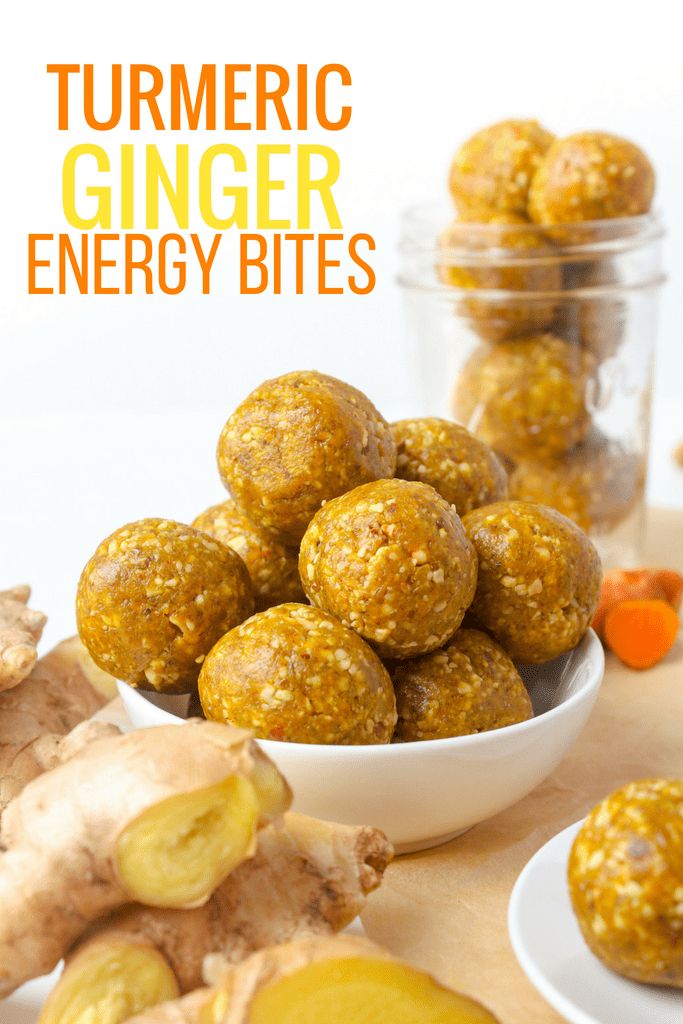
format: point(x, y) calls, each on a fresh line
point(641, 633)
point(64, 688)
point(338, 980)
point(309, 878)
point(20, 630)
point(161, 815)
point(636, 585)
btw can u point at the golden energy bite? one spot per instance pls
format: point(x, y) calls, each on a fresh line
point(539, 578)
point(391, 560)
point(591, 176)
point(273, 567)
point(626, 881)
point(493, 168)
point(299, 440)
point(296, 673)
point(501, 242)
point(596, 484)
point(468, 686)
point(153, 600)
point(527, 397)
point(464, 470)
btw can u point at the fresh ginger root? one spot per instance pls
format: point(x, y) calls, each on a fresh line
point(159, 815)
point(308, 878)
point(64, 689)
point(340, 979)
point(20, 630)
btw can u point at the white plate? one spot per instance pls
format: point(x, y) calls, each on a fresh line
point(551, 950)
point(24, 1006)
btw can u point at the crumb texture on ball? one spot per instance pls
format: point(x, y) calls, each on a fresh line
point(506, 254)
point(591, 176)
point(596, 484)
point(297, 441)
point(494, 167)
point(466, 687)
point(273, 567)
point(154, 599)
point(391, 560)
point(539, 579)
point(527, 397)
point(464, 470)
point(626, 881)
point(295, 673)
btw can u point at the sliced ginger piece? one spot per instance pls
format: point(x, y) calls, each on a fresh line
point(111, 982)
point(20, 630)
point(337, 979)
point(307, 877)
point(179, 851)
point(362, 990)
point(61, 866)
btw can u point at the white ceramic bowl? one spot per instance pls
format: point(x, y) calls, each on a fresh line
point(428, 792)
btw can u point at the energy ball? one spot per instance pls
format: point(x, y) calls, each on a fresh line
point(464, 470)
point(591, 176)
point(596, 484)
point(494, 168)
point(298, 441)
point(154, 599)
point(274, 568)
point(539, 579)
point(295, 673)
point(508, 254)
point(528, 397)
point(468, 686)
point(391, 560)
point(626, 881)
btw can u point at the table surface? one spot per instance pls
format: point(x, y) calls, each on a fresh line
point(446, 909)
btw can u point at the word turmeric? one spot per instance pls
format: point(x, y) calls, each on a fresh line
point(641, 632)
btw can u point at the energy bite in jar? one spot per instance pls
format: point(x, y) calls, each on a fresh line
point(591, 176)
point(509, 257)
point(493, 168)
point(626, 881)
point(299, 440)
point(527, 398)
point(539, 578)
point(391, 560)
point(468, 686)
point(464, 470)
point(295, 673)
point(596, 484)
point(153, 600)
point(274, 568)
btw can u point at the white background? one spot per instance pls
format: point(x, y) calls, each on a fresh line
point(110, 407)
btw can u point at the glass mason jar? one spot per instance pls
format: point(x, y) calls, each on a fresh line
point(541, 340)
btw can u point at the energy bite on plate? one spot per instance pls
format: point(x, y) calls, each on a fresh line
point(466, 687)
point(273, 567)
point(297, 441)
point(296, 673)
point(464, 470)
point(391, 560)
point(154, 599)
point(626, 881)
point(539, 578)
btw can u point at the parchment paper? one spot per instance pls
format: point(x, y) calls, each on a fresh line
point(446, 909)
